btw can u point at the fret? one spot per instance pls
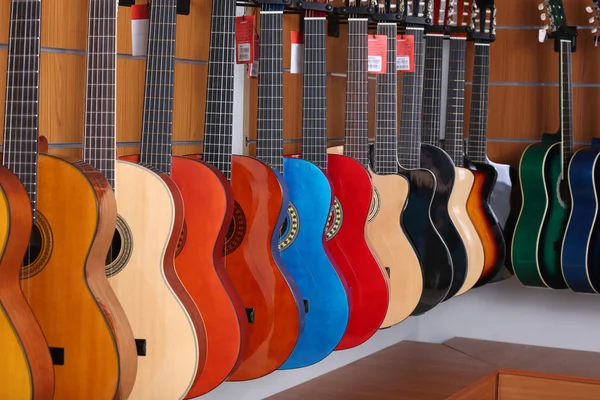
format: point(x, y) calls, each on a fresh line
point(270, 88)
point(409, 147)
point(218, 126)
point(386, 121)
point(314, 110)
point(477, 144)
point(432, 89)
point(157, 135)
point(455, 113)
point(99, 145)
point(22, 95)
point(357, 117)
point(566, 105)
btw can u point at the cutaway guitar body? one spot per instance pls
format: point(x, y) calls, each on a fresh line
point(484, 219)
point(440, 164)
point(64, 282)
point(578, 257)
point(272, 299)
point(393, 248)
point(436, 261)
point(304, 252)
point(151, 217)
point(25, 362)
point(539, 232)
point(368, 288)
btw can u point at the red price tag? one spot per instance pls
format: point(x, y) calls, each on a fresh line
point(253, 68)
point(244, 39)
point(378, 46)
point(297, 61)
point(405, 53)
point(140, 17)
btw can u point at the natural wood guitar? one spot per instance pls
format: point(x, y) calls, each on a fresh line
point(25, 363)
point(74, 212)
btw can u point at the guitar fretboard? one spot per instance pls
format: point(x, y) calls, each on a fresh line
point(432, 89)
point(314, 111)
point(566, 103)
point(22, 82)
point(455, 109)
point(269, 146)
point(477, 145)
point(386, 122)
point(218, 125)
point(357, 113)
point(409, 149)
point(157, 134)
point(99, 147)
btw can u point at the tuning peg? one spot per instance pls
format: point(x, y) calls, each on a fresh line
point(542, 35)
point(541, 6)
point(543, 17)
point(595, 30)
point(591, 20)
point(589, 9)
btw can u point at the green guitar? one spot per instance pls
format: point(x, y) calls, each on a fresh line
point(537, 242)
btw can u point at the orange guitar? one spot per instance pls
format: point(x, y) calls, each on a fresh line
point(74, 211)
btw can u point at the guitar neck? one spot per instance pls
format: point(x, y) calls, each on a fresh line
point(455, 110)
point(157, 136)
point(566, 103)
point(269, 146)
point(477, 146)
point(314, 114)
point(409, 149)
point(432, 89)
point(22, 95)
point(218, 125)
point(386, 122)
point(357, 113)
point(99, 147)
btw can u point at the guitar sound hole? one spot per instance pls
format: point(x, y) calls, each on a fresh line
point(120, 249)
point(35, 247)
point(115, 248)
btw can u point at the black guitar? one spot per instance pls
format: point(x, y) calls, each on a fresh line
point(436, 261)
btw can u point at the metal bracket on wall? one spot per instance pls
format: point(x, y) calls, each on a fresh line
point(183, 6)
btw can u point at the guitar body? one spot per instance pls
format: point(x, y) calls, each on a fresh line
point(25, 363)
point(257, 270)
point(463, 186)
point(578, 256)
point(503, 202)
point(388, 240)
point(484, 219)
point(436, 261)
point(542, 221)
point(66, 287)
point(368, 288)
point(440, 164)
point(304, 252)
point(150, 212)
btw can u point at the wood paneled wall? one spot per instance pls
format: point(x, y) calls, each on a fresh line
point(523, 92)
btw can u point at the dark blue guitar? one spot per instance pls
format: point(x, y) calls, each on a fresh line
point(581, 247)
point(302, 243)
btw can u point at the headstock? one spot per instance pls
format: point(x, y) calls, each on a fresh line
point(315, 8)
point(418, 12)
point(595, 18)
point(553, 14)
point(440, 12)
point(459, 14)
point(483, 21)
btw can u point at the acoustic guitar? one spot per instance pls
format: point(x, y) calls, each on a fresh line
point(446, 209)
point(74, 212)
point(457, 22)
point(492, 187)
point(25, 363)
point(384, 236)
point(311, 197)
point(368, 291)
point(580, 256)
point(436, 260)
point(153, 287)
point(273, 303)
point(540, 229)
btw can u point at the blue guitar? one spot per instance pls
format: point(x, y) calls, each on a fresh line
point(302, 243)
point(581, 247)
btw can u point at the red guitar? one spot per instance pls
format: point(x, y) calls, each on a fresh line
point(345, 234)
